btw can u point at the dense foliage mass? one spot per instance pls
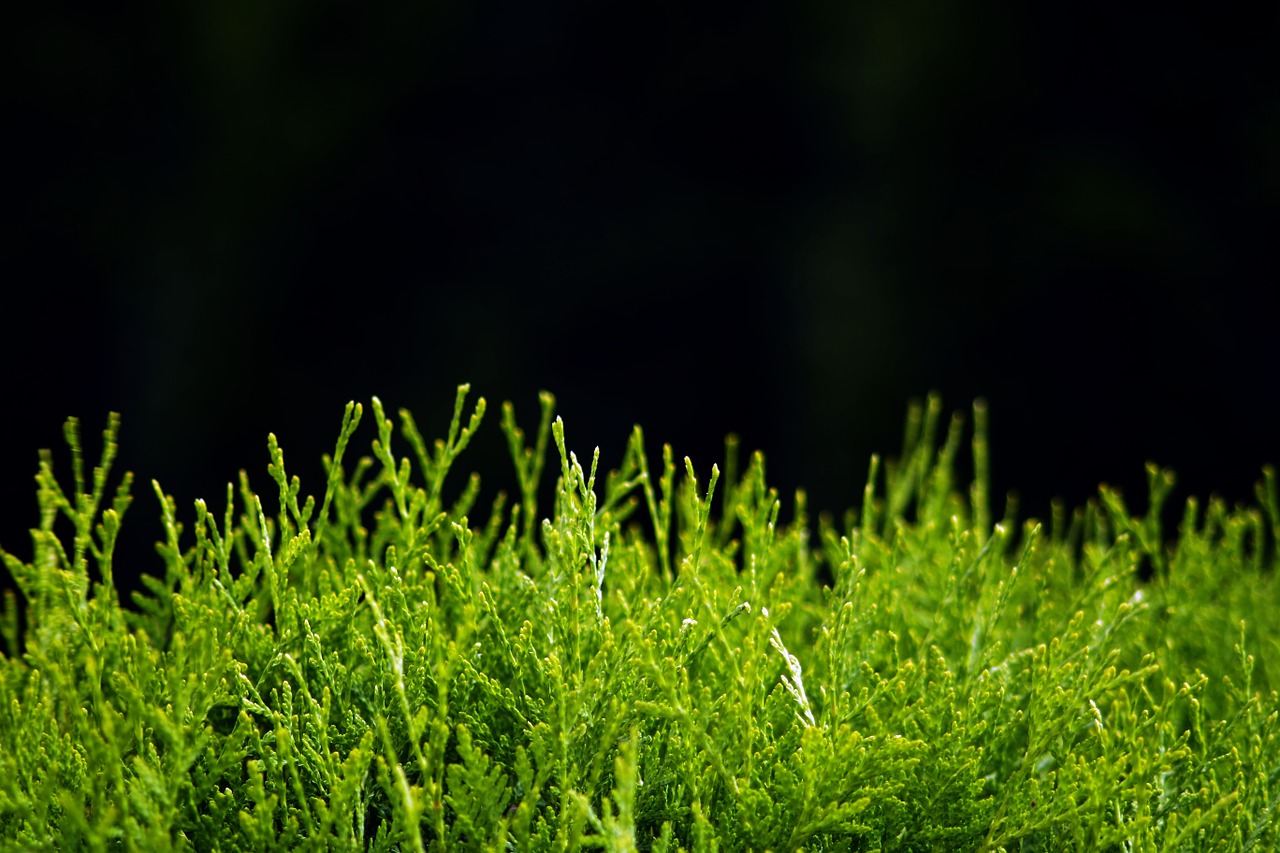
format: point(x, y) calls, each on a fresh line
point(661, 664)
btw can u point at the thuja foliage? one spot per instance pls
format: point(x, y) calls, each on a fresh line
point(655, 662)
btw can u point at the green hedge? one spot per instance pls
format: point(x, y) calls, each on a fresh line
point(657, 662)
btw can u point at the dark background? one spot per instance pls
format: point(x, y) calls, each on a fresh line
point(784, 220)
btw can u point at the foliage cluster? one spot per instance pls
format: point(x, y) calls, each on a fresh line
point(661, 664)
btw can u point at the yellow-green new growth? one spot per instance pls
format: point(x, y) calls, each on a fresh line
point(652, 663)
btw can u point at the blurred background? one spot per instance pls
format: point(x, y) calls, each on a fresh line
point(781, 220)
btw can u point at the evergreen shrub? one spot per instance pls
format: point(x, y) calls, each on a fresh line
point(657, 662)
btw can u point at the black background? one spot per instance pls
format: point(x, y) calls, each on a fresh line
point(784, 220)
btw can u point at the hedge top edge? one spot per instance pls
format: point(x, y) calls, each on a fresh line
point(659, 663)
